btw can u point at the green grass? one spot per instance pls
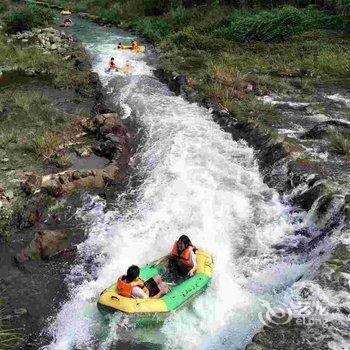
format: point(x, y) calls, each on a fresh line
point(340, 142)
point(46, 144)
point(61, 71)
point(26, 129)
point(21, 18)
point(153, 29)
point(4, 6)
point(276, 24)
point(8, 337)
point(232, 54)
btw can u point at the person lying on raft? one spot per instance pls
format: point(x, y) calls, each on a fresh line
point(131, 286)
point(134, 45)
point(67, 23)
point(183, 258)
point(112, 65)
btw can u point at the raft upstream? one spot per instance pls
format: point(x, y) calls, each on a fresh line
point(139, 49)
point(179, 295)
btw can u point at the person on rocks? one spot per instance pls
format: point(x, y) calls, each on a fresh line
point(131, 286)
point(183, 260)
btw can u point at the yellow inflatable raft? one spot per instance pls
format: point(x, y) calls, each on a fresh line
point(66, 12)
point(110, 300)
point(140, 49)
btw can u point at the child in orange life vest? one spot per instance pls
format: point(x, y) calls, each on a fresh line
point(131, 286)
point(183, 258)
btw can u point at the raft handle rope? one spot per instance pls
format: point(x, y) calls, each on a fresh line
point(114, 297)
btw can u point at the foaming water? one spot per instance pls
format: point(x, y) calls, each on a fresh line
point(197, 181)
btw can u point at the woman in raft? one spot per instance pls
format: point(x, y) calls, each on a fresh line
point(131, 286)
point(183, 260)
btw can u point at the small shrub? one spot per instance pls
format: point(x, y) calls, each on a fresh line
point(46, 145)
point(277, 24)
point(4, 6)
point(21, 18)
point(340, 142)
point(7, 229)
point(28, 101)
point(130, 9)
point(6, 138)
point(110, 16)
point(181, 17)
point(8, 337)
point(152, 28)
point(156, 7)
point(251, 109)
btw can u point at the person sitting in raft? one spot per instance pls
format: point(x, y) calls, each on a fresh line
point(112, 65)
point(131, 286)
point(134, 46)
point(183, 258)
point(120, 46)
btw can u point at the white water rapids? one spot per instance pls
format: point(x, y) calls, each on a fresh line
point(195, 180)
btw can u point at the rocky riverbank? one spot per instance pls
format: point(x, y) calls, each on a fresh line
point(306, 181)
point(292, 162)
point(58, 141)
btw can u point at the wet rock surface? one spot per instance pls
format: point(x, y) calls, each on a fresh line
point(307, 180)
point(32, 290)
point(321, 130)
point(44, 245)
point(326, 320)
point(113, 144)
point(35, 261)
point(47, 39)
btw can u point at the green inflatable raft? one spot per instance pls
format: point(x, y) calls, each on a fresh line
point(179, 295)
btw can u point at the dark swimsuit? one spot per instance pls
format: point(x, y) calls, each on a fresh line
point(152, 287)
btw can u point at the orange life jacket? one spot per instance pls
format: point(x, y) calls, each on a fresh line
point(134, 46)
point(112, 65)
point(125, 288)
point(185, 255)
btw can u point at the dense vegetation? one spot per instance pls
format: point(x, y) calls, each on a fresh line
point(233, 50)
point(21, 18)
point(32, 126)
point(193, 38)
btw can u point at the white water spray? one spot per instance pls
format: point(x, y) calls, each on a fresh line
point(197, 181)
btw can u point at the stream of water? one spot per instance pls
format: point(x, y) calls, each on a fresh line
point(195, 180)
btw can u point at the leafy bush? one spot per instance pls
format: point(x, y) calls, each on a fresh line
point(19, 19)
point(194, 40)
point(46, 145)
point(278, 24)
point(152, 28)
point(181, 17)
point(340, 142)
point(110, 16)
point(156, 7)
point(4, 6)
